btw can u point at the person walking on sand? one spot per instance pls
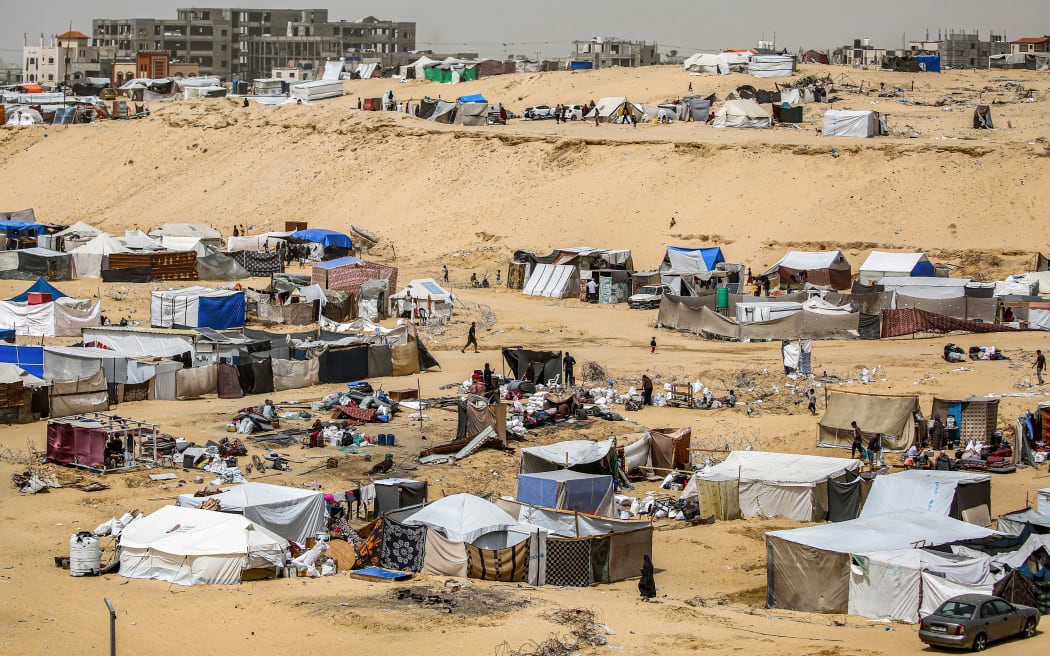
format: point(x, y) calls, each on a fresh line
point(858, 441)
point(812, 402)
point(444, 271)
point(647, 584)
point(652, 346)
point(1040, 364)
point(673, 223)
point(472, 338)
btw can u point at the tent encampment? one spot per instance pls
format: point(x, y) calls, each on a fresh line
point(703, 62)
point(427, 294)
point(741, 114)
point(881, 264)
point(197, 307)
point(187, 546)
point(36, 262)
point(553, 281)
point(821, 268)
point(808, 568)
point(682, 259)
point(327, 238)
point(207, 234)
point(778, 484)
point(289, 512)
point(577, 455)
point(893, 417)
point(853, 123)
point(565, 489)
point(966, 496)
point(462, 517)
point(91, 258)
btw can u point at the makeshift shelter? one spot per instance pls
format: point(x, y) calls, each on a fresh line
point(975, 418)
point(777, 484)
point(741, 114)
point(881, 264)
point(197, 307)
point(615, 110)
point(808, 569)
point(64, 317)
point(32, 263)
point(966, 496)
point(471, 112)
point(545, 365)
point(819, 268)
point(565, 489)
point(214, 265)
point(682, 259)
point(982, 117)
point(68, 239)
point(349, 274)
point(553, 281)
point(892, 417)
point(577, 455)
point(43, 289)
point(187, 546)
point(208, 235)
point(92, 257)
point(425, 294)
point(716, 64)
point(462, 517)
point(853, 123)
point(289, 512)
point(151, 266)
point(395, 493)
point(763, 66)
point(311, 90)
point(326, 238)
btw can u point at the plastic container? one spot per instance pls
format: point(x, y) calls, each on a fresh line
point(390, 439)
point(381, 439)
point(85, 555)
point(723, 297)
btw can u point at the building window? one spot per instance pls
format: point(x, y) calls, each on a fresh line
point(50, 76)
point(50, 60)
point(224, 32)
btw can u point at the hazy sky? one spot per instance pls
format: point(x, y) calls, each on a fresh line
point(548, 27)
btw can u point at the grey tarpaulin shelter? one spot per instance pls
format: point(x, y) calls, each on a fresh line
point(289, 512)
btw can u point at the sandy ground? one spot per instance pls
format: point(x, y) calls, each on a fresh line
point(468, 197)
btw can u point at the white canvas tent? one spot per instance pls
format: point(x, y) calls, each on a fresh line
point(289, 512)
point(933, 491)
point(205, 233)
point(184, 244)
point(702, 62)
point(76, 235)
point(186, 546)
point(926, 287)
point(568, 454)
point(741, 114)
point(881, 264)
point(425, 293)
point(771, 66)
point(853, 123)
point(778, 484)
point(90, 257)
point(553, 281)
point(808, 568)
point(615, 110)
point(463, 517)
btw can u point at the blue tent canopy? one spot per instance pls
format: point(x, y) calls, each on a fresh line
point(326, 238)
point(711, 256)
point(929, 63)
point(475, 98)
point(40, 285)
point(29, 358)
point(566, 490)
point(22, 227)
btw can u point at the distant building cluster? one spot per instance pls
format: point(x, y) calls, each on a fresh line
point(956, 49)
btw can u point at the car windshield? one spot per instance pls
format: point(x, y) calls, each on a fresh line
point(956, 610)
point(649, 290)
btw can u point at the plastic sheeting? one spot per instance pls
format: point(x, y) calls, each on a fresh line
point(763, 66)
point(741, 114)
point(853, 123)
point(462, 517)
point(197, 307)
point(568, 490)
point(196, 382)
point(219, 266)
point(553, 281)
point(62, 318)
point(76, 444)
point(141, 343)
point(563, 454)
point(291, 513)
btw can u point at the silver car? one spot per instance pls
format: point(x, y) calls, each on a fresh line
point(971, 621)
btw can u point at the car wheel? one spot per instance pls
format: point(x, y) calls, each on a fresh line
point(979, 642)
point(1029, 628)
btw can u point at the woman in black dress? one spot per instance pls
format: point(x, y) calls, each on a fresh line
point(647, 584)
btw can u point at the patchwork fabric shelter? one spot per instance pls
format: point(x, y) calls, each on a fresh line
point(187, 546)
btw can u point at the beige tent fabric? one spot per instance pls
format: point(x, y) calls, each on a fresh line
point(636, 454)
point(950, 307)
point(807, 579)
point(406, 359)
point(891, 416)
point(196, 381)
point(444, 557)
point(294, 374)
point(718, 499)
point(626, 550)
point(82, 395)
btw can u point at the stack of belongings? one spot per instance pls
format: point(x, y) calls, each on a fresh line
point(363, 404)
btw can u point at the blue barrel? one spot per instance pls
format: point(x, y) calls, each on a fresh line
point(390, 439)
point(723, 297)
point(381, 439)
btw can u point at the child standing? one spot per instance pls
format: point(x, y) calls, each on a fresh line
point(652, 346)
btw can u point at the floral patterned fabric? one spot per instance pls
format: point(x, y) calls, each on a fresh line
point(403, 547)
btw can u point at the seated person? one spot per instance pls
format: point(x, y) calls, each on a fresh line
point(114, 452)
point(943, 462)
point(730, 399)
point(267, 410)
point(911, 456)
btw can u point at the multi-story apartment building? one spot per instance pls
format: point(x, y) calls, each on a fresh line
point(66, 59)
point(609, 51)
point(245, 43)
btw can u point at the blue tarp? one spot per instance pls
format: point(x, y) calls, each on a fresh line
point(338, 262)
point(929, 63)
point(924, 269)
point(29, 358)
point(475, 98)
point(42, 286)
point(711, 256)
point(221, 312)
point(324, 237)
point(581, 66)
point(21, 227)
point(564, 489)
point(7, 333)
